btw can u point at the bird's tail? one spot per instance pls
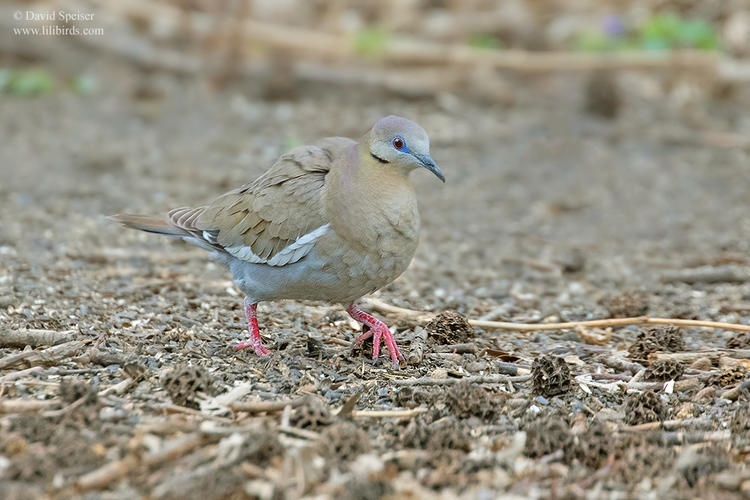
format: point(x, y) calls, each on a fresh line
point(148, 224)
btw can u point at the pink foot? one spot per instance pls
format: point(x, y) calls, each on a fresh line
point(378, 330)
point(251, 313)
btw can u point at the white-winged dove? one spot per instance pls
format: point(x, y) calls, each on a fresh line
point(333, 221)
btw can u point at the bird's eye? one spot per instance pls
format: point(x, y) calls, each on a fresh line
point(398, 143)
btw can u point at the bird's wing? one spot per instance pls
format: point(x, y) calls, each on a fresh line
point(274, 220)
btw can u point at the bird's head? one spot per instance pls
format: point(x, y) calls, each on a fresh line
point(400, 143)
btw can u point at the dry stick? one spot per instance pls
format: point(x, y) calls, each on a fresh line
point(64, 411)
point(45, 356)
point(482, 379)
point(395, 50)
point(688, 357)
point(422, 317)
point(667, 424)
point(107, 473)
point(10, 377)
point(267, 406)
point(388, 413)
point(33, 338)
point(26, 405)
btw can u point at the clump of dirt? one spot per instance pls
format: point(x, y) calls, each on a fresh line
point(700, 463)
point(449, 327)
point(185, 384)
point(469, 400)
point(602, 96)
point(653, 339)
point(313, 415)
point(626, 304)
point(739, 340)
point(344, 441)
point(550, 376)
point(546, 435)
point(644, 407)
point(665, 369)
point(71, 390)
point(594, 445)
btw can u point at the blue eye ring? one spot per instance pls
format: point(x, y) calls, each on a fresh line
point(399, 143)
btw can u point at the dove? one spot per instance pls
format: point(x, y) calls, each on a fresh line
point(333, 221)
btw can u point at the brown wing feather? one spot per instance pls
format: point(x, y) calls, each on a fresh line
point(271, 212)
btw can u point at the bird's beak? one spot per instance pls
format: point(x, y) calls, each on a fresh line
point(430, 165)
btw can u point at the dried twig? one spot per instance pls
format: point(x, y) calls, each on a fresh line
point(267, 406)
point(480, 379)
point(27, 405)
point(10, 377)
point(667, 425)
point(388, 413)
point(422, 317)
point(33, 338)
point(45, 356)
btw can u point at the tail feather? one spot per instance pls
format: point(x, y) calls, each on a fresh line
point(148, 224)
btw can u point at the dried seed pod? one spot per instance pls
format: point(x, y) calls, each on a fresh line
point(184, 383)
point(665, 369)
point(313, 415)
point(653, 339)
point(72, 390)
point(644, 407)
point(469, 400)
point(344, 441)
point(594, 445)
point(448, 434)
point(547, 435)
point(729, 376)
point(739, 340)
point(449, 327)
point(550, 376)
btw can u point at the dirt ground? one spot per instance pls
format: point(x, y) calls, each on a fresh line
point(549, 213)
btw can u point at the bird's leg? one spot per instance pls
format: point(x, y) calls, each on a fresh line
point(377, 330)
point(251, 314)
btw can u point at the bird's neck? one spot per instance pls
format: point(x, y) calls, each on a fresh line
point(365, 196)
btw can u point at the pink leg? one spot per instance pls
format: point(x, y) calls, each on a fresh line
point(378, 330)
point(251, 314)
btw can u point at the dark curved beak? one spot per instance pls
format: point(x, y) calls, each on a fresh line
point(430, 165)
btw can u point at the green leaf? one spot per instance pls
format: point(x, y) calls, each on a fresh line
point(370, 42)
point(30, 83)
point(485, 41)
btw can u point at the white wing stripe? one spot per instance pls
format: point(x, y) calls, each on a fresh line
point(288, 255)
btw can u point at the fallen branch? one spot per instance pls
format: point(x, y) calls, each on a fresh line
point(388, 413)
point(689, 357)
point(667, 425)
point(12, 376)
point(33, 338)
point(481, 379)
point(267, 406)
point(423, 318)
point(27, 405)
point(45, 356)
